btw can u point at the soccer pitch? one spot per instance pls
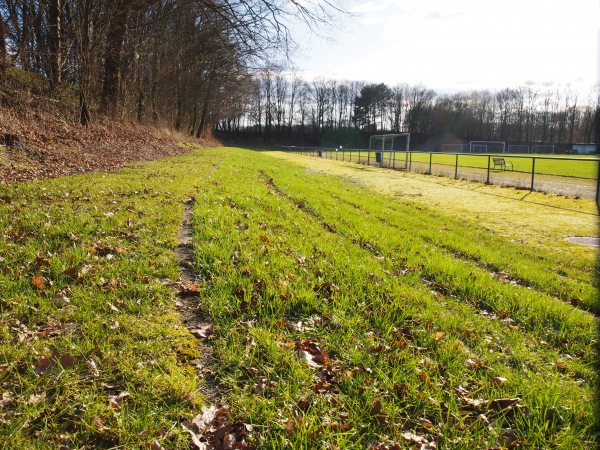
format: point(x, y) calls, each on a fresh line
point(582, 166)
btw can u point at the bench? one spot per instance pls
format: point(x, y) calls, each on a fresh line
point(500, 162)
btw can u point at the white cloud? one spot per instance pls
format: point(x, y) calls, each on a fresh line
point(466, 44)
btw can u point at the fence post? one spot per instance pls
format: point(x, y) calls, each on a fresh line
point(532, 172)
point(488, 171)
point(430, 158)
point(456, 168)
point(598, 184)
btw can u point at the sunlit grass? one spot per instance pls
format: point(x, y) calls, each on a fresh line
point(91, 348)
point(348, 318)
point(345, 315)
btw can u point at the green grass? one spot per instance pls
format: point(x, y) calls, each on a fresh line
point(87, 313)
point(343, 318)
point(411, 321)
point(547, 165)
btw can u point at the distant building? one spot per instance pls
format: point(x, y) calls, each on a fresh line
point(585, 149)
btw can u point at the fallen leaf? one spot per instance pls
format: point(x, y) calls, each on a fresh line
point(423, 443)
point(36, 398)
point(378, 413)
point(189, 289)
point(8, 400)
point(91, 364)
point(426, 423)
point(440, 335)
point(206, 331)
point(116, 401)
point(499, 380)
point(41, 262)
point(290, 424)
point(260, 386)
point(100, 427)
point(474, 364)
point(38, 282)
point(503, 403)
point(67, 361)
point(42, 365)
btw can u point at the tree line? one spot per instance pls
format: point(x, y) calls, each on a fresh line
point(285, 106)
point(183, 63)
point(199, 65)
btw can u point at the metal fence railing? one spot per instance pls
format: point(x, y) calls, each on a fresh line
point(567, 175)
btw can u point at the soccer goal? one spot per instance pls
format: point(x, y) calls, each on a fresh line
point(542, 149)
point(390, 142)
point(487, 147)
point(455, 148)
point(518, 148)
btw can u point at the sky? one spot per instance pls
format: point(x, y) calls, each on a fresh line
point(460, 45)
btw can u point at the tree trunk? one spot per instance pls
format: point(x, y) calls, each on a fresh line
point(84, 112)
point(597, 124)
point(202, 126)
point(193, 127)
point(55, 8)
point(113, 56)
point(179, 100)
point(2, 48)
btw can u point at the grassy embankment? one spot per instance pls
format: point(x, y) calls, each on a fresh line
point(342, 317)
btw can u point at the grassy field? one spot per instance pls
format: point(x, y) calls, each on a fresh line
point(345, 314)
point(547, 165)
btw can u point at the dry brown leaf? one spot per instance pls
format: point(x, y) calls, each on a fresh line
point(116, 401)
point(100, 427)
point(503, 403)
point(426, 423)
point(91, 364)
point(206, 331)
point(378, 413)
point(499, 380)
point(38, 282)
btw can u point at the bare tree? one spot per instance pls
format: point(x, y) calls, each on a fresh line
point(3, 58)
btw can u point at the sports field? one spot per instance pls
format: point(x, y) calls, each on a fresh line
point(583, 167)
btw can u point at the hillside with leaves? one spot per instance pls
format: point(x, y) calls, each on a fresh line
point(50, 142)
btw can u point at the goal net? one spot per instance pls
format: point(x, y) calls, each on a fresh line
point(455, 148)
point(518, 148)
point(390, 142)
point(487, 147)
point(542, 149)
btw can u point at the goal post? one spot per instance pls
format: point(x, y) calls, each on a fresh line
point(542, 148)
point(518, 148)
point(399, 142)
point(455, 148)
point(487, 147)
